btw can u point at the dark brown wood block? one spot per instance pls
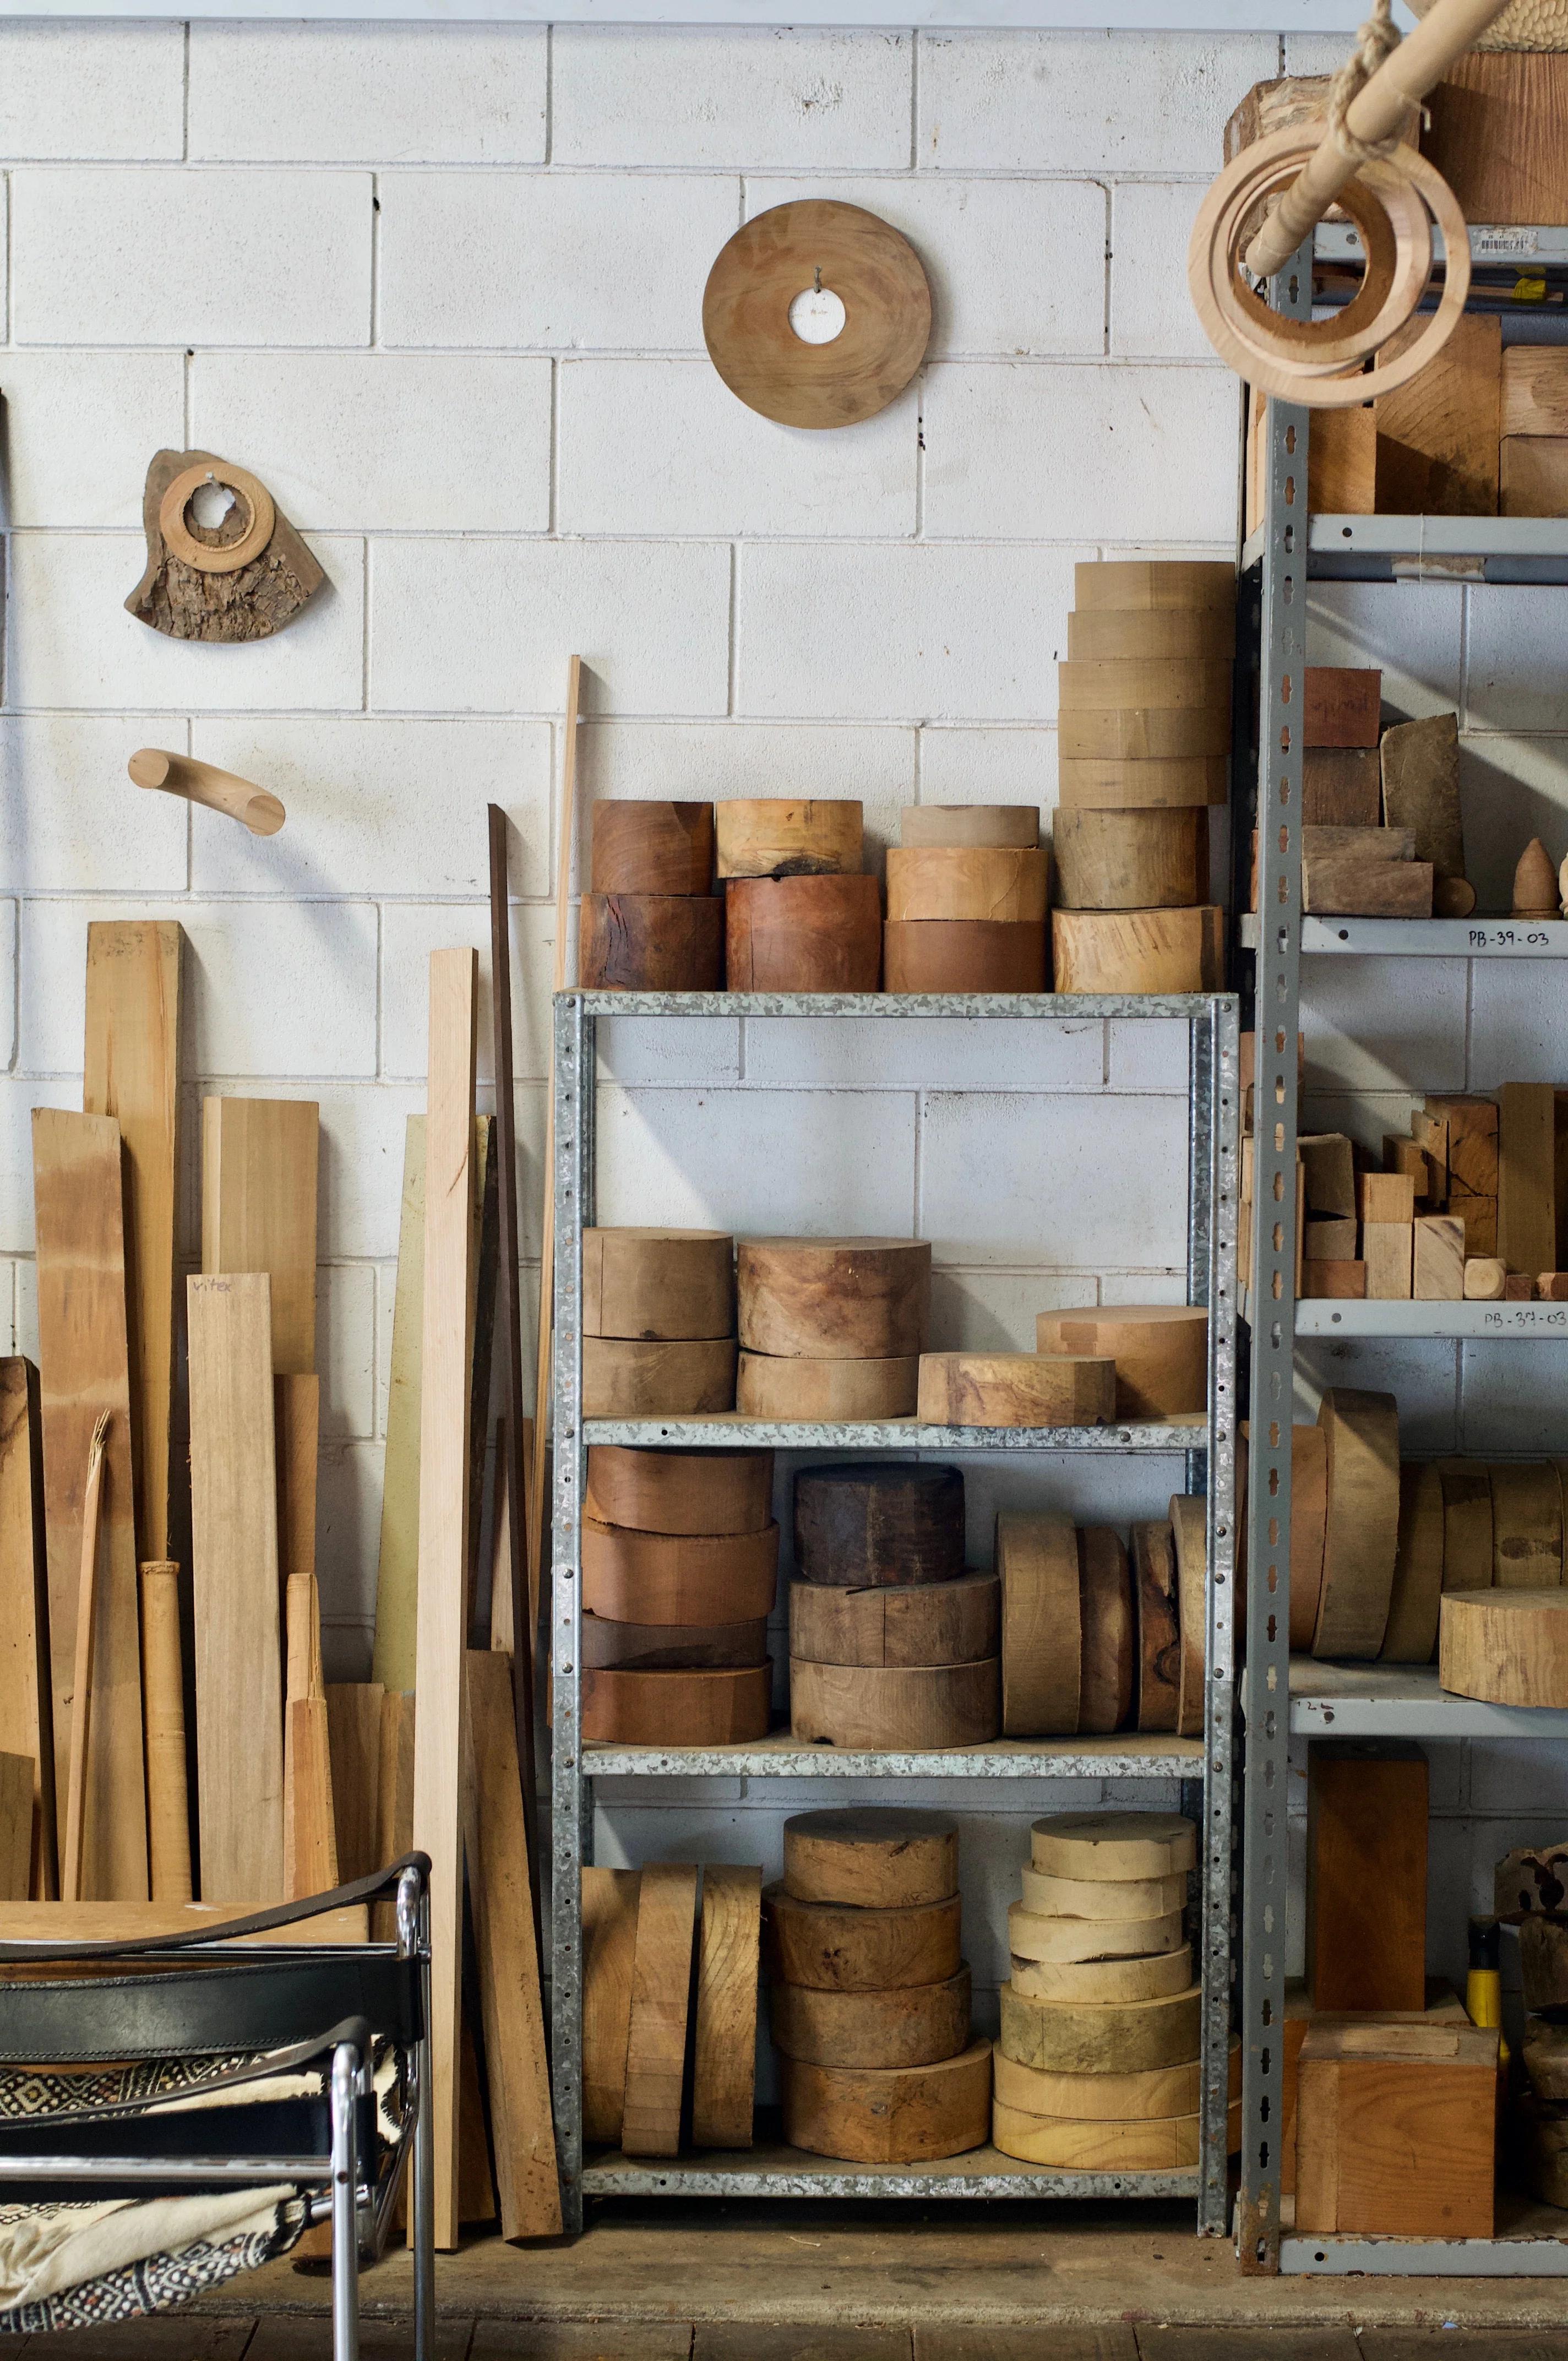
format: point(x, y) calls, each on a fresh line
point(1343, 707)
point(689, 1708)
point(802, 934)
point(1366, 1875)
point(653, 848)
point(888, 1522)
point(964, 955)
point(1341, 787)
point(652, 943)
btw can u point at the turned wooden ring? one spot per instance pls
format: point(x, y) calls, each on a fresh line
point(1395, 231)
point(1299, 360)
point(217, 558)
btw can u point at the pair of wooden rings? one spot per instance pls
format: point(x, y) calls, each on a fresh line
point(215, 556)
point(1394, 205)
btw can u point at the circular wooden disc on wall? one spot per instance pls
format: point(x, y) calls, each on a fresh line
point(816, 246)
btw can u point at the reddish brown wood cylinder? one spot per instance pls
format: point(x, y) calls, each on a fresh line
point(652, 943)
point(964, 955)
point(802, 934)
point(653, 848)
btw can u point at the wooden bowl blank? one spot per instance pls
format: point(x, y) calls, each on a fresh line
point(1111, 1899)
point(1127, 2037)
point(673, 1647)
point(1191, 634)
point(665, 1285)
point(914, 2025)
point(1110, 1643)
point(1410, 1636)
point(627, 1378)
point(833, 1299)
point(773, 1386)
point(1139, 950)
point(1167, 2144)
point(910, 1624)
point(1099, 1982)
point(904, 1710)
point(1161, 1352)
point(1031, 1936)
point(1144, 734)
point(678, 1578)
point(698, 1708)
point(776, 837)
point(906, 2114)
point(1001, 884)
point(652, 943)
point(1361, 1531)
point(1509, 1647)
point(1131, 860)
point(968, 824)
point(872, 1857)
point(1112, 1848)
point(680, 1491)
point(848, 1946)
point(1159, 1637)
point(653, 848)
point(1157, 2092)
point(1015, 1390)
point(1133, 582)
point(1110, 782)
point(870, 1523)
point(964, 955)
point(802, 934)
point(1137, 682)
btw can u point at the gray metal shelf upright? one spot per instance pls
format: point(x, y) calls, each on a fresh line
point(1276, 1697)
point(1203, 1768)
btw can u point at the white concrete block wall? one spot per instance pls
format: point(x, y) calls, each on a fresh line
point(441, 286)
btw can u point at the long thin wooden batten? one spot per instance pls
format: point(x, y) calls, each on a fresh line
point(163, 1706)
point(23, 1608)
point(81, 1683)
point(445, 1392)
point(1376, 113)
point(203, 783)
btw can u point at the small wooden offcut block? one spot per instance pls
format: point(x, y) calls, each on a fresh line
point(1366, 1875)
point(1517, 1287)
point(1331, 1239)
point(1439, 1274)
point(1334, 1282)
point(1468, 1126)
point(1387, 1251)
point(1526, 1205)
point(1396, 2129)
point(1533, 475)
point(1342, 787)
point(1486, 1281)
point(1344, 706)
point(1385, 1197)
point(1329, 1162)
point(1401, 1155)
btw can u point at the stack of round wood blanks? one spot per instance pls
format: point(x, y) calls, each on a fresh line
point(652, 921)
point(1361, 1524)
point(658, 1322)
point(1145, 722)
point(869, 1995)
point(966, 903)
point(679, 1574)
point(1160, 1350)
point(1101, 2021)
point(831, 1329)
point(1016, 1390)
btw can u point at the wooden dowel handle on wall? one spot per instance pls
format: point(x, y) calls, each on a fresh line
point(163, 1706)
point(203, 783)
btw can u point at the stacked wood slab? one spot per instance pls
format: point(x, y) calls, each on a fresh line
point(1095, 1638)
point(869, 1996)
point(1098, 2064)
point(658, 1322)
point(652, 921)
point(831, 1328)
point(891, 1645)
point(799, 914)
point(966, 900)
point(680, 1567)
point(1143, 735)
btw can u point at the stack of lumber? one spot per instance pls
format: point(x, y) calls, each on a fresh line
point(1381, 830)
point(663, 1981)
point(680, 1568)
point(658, 1322)
point(1144, 734)
point(799, 915)
point(1098, 2064)
point(966, 900)
point(1092, 1642)
point(1489, 1198)
point(869, 1997)
point(892, 1644)
point(652, 921)
point(831, 1328)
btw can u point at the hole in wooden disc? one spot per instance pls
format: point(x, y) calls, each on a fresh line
point(817, 315)
point(210, 504)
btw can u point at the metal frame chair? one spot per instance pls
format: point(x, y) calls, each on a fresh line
point(296, 2002)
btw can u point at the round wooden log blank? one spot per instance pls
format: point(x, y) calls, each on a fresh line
point(1527, 1525)
point(1037, 1560)
point(843, 1947)
point(802, 934)
point(1144, 734)
point(874, 1521)
point(1509, 1647)
point(1031, 1936)
point(1161, 1352)
point(887, 1709)
point(680, 1491)
point(771, 1385)
point(964, 955)
point(1411, 1633)
point(970, 824)
point(1188, 634)
point(1128, 2037)
point(906, 2114)
point(1157, 2092)
point(1116, 1899)
point(1015, 1390)
point(1110, 1637)
point(1138, 950)
point(658, 1284)
point(834, 1299)
point(1141, 583)
point(1190, 1531)
point(1361, 1432)
point(1309, 1514)
point(671, 1647)
point(1112, 1848)
point(1002, 884)
point(899, 1624)
point(774, 836)
point(623, 1377)
point(1159, 1636)
point(874, 1858)
point(1101, 1982)
point(913, 2027)
point(1131, 860)
point(1108, 783)
point(653, 848)
point(1142, 681)
point(641, 1577)
point(693, 1708)
point(1167, 2145)
point(1466, 1524)
point(652, 943)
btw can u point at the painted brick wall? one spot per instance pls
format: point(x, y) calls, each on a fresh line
point(441, 288)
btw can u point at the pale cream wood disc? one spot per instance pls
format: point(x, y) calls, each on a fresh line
point(1113, 1847)
point(1156, 2092)
point(1032, 1937)
point(1103, 1898)
point(970, 824)
point(1103, 1981)
point(1123, 2038)
point(1071, 2146)
point(1509, 1647)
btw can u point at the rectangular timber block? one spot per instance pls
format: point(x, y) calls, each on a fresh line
point(1366, 1873)
point(1396, 2129)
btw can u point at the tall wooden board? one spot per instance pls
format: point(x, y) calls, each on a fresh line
point(397, 1577)
point(446, 1360)
point(487, 1244)
point(23, 1608)
point(725, 2055)
point(233, 1553)
point(1527, 1196)
point(132, 1073)
point(514, 1437)
point(354, 1739)
point(297, 1417)
point(661, 1992)
point(259, 1210)
point(516, 2055)
point(84, 1354)
point(1366, 1875)
point(395, 1803)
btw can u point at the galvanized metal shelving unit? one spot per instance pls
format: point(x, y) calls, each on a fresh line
point(1289, 548)
point(1203, 1769)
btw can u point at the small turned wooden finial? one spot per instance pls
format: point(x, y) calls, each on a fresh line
point(1535, 883)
